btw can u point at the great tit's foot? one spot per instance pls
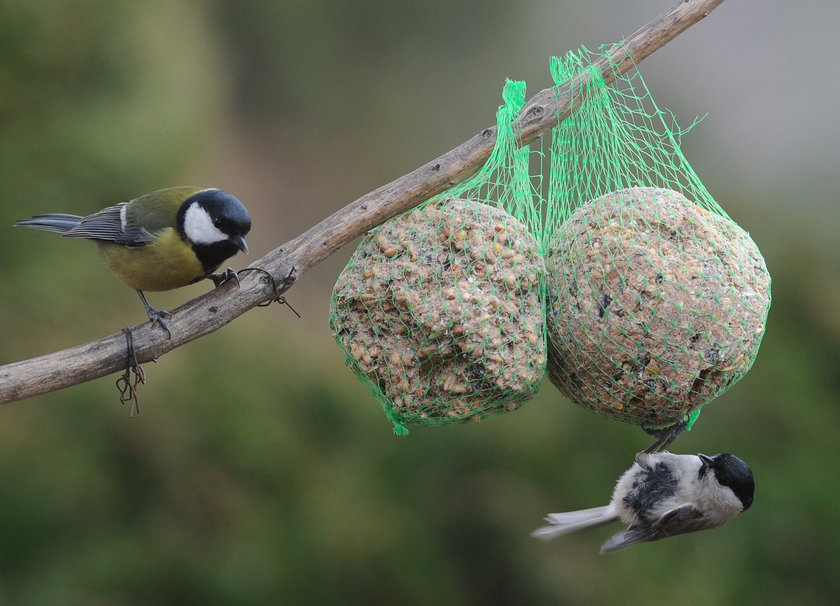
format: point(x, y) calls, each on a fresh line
point(160, 317)
point(127, 385)
point(226, 276)
point(156, 316)
point(664, 436)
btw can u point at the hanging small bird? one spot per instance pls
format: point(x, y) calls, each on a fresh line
point(162, 240)
point(663, 495)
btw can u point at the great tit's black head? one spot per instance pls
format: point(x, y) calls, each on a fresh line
point(732, 472)
point(212, 216)
point(215, 223)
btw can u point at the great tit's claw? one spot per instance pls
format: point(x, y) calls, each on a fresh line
point(226, 276)
point(160, 317)
point(156, 316)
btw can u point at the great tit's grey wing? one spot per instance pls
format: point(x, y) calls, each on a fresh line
point(679, 520)
point(144, 218)
point(112, 224)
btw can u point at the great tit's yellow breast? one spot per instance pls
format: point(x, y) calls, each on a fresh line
point(166, 263)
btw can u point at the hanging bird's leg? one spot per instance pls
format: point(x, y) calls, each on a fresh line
point(665, 436)
point(156, 316)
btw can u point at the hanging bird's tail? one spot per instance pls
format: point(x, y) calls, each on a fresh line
point(572, 521)
point(57, 222)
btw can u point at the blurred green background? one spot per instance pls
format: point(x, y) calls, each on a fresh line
point(260, 471)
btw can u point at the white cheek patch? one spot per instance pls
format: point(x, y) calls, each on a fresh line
point(199, 228)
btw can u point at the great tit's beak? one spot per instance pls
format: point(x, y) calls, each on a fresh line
point(240, 243)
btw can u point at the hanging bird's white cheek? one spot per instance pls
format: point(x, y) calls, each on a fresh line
point(199, 228)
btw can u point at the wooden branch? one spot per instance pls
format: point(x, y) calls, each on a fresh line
point(209, 312)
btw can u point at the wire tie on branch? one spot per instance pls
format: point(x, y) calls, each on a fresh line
point(126, 385)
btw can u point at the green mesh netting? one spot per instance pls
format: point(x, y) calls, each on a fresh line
point(440, 311)
point(656, 299)
point(651, 299)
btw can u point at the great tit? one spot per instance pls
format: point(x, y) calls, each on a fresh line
point(663, 495)
point(162, 240)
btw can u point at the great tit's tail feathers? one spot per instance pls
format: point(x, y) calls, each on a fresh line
point(572, 521)
point(58, 222)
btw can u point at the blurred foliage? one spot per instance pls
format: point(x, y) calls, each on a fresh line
point(259, 471)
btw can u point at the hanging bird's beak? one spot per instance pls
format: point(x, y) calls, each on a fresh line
point(705, 462)
point(240, 243)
